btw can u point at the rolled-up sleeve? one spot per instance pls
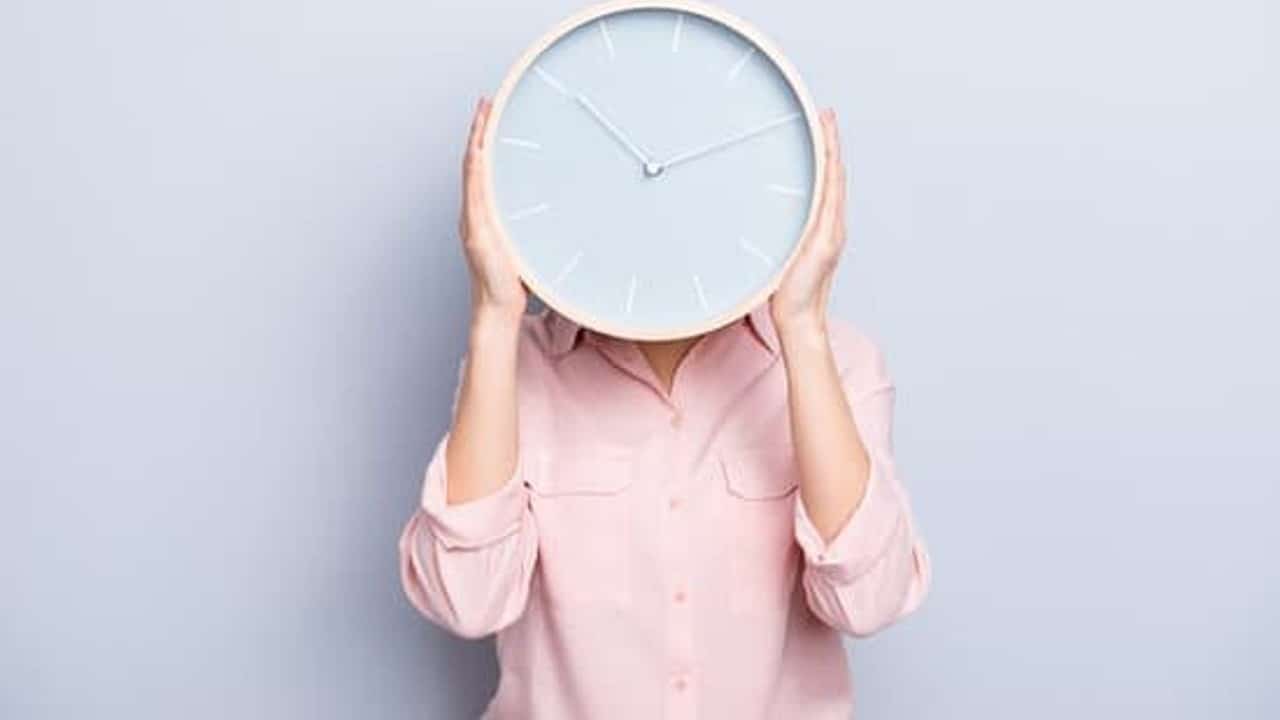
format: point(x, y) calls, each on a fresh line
point(875, 569)
point(467, 566)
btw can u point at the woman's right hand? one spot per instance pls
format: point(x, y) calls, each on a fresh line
point(497, 291)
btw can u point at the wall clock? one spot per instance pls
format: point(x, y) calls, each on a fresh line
point(654, 166)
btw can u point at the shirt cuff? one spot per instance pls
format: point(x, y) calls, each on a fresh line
point(863, 538)
point(472, 523)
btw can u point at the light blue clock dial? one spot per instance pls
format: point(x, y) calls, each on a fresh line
point(654, 169)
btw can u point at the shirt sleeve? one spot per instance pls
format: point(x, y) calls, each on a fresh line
point(875, 570)
point(467, 566)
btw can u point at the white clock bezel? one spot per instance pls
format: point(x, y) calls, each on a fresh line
point(715, 14)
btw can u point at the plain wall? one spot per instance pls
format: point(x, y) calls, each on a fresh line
point(232, 306)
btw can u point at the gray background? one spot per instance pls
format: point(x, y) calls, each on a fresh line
point(232, 308)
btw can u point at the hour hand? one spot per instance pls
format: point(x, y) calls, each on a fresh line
point(613, 129)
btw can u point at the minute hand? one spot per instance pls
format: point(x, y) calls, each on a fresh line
point(731, 140)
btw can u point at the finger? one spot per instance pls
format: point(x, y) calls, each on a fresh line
point(825, 198)
point(486, 107)
point(477, 125)
point(834, 128)
point(468, 154)
point(473, 132)
point(830, 189)
point(475, 143)
point(835, 239)
point(833, 140)
point(844, 188)
point(838, 189)
point(475, 136)
point(474, 182)
point(480, 161)
point(831, 134)
point(836, 167)
point(477, 191)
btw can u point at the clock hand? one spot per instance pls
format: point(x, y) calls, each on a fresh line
point(613, 129)
point(731, 140)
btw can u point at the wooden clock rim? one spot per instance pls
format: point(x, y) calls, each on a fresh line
point(710, 12)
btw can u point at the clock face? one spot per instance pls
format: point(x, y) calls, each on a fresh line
point(653, 169)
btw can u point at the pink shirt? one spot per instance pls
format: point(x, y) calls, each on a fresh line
point(650, 557)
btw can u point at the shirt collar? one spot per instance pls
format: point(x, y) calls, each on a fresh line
point(566, 333)
point(761, 322)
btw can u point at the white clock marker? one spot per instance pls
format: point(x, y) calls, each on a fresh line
point(568, 268)
point(785, 190)
point(675, 35)
point(608, 41)
point(521, 143)
point(742, 61)
point(749, 247)
point(702, 298)
point(631, 293)
point(551, 80)
point(529, 211)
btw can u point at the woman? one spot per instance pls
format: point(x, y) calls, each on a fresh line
point(678, 529)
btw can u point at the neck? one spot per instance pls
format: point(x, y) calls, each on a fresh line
point(664, 356)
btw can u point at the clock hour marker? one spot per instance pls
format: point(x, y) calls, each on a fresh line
point(631, 293)
point(568, 268)
point(551, 80)
point(521, 143)
point(702, 297)
point(749, 247)
point(675, 35)
point(785, 190)
point(529, 211)
point(608, 41)
point(742, 61)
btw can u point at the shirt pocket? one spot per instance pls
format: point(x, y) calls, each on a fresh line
point(581, 504)
point(760, 486)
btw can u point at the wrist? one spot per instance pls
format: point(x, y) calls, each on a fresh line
point(490, 324)
point(802, 331)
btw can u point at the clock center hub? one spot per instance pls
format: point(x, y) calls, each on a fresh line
point(653, 169)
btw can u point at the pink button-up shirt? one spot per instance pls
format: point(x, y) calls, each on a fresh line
point(651, 557)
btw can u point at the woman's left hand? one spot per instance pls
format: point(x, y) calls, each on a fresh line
point(800, 301)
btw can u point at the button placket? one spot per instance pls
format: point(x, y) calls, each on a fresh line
point(679, 609)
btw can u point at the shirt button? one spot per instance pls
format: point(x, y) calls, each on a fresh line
point(673, 502)
point(679, 596)
point(680, 683)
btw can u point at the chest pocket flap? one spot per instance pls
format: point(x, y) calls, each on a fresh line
point(760, 473)
point(593, 472)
